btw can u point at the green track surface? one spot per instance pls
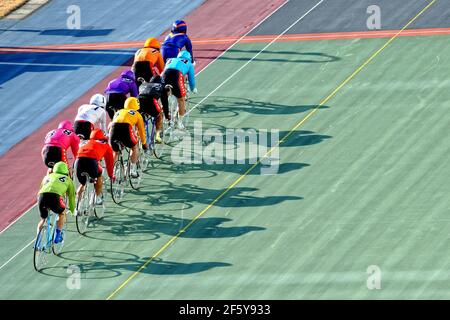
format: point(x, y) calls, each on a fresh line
point(363, 182)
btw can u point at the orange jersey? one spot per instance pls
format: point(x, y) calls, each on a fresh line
point(98, 150)
point(134, 118)
point(153, 56)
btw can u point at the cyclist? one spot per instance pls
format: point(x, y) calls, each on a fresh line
point(90, 116)
point(148, 61)
point(90, 154)
point(122, 131)
point(53, 188)
point(174, 74)
point(176, 40)
point(57, 142)
point(117, 91)
point(149, 94)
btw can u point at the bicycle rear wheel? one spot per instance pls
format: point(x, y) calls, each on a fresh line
point(99, 210)
point(84, 210)
point(135, 181)
point(118, 185)
point(41, 249)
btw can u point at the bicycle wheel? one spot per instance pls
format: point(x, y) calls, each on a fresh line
point(171, 125)
point(57, 247)
point(41, 248)
point(99, 210)
point(144, 158)
point(118, 185)
point(84, 210)
point(135, 181)
point(186, 115)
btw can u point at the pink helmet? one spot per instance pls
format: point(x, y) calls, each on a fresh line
point(66, 124)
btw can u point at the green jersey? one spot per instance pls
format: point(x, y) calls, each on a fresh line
point(59, 184)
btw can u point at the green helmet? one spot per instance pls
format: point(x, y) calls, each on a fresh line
point(61, 168)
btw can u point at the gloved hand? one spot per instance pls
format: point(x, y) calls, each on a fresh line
point(195, 91)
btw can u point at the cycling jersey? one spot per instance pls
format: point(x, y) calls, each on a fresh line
point(122, 85)
point(64, 139)
point(60, 184)
point(185, 67)
point(98, 149)
point(173, 43)
point(131, 116)
point(152, 55)
point(94, 114)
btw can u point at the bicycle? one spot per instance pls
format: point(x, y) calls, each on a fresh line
point(86, 206)
point(44, 243)
point(172, 125)
point(157, 149)
point(121, 171)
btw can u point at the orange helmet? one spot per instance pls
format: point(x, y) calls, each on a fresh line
point(152, 43)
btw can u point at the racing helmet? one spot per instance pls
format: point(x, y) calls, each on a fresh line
point(61, 168)
point(66, 124)
point(132, 103)
point(152, 43)
point(127, 74)
point(98, 100)
point(179, 26)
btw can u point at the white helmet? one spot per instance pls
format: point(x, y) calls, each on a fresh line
point(98, 100)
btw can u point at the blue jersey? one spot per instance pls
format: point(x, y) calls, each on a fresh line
point(185, 67)
point(173, 43)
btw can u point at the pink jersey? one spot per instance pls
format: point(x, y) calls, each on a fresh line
point(63, 138)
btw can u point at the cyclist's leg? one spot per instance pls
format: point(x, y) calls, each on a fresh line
point(43, 211)
point(114, 135)
point(80, 168)
point(97, 173)
point(181, 95)
point(134, 154)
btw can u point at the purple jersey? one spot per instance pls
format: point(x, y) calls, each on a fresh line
point(122, 85)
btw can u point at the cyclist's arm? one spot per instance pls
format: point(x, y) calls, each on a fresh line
point(188, 46)
point(191, 77)
point(165, 102)
point(71, 194)
point(109, 160)
point(141, 128)
point(103, 122)
point(74, 144)
point(160, 63)
point(133, 89)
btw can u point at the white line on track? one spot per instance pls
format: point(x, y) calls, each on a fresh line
point(19, 252)
point(231, 46)
point(256, 55)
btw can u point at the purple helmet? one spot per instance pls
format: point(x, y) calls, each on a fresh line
point(128, 74)
point(66, 124)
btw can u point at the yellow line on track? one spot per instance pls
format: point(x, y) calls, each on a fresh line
point(322, 103)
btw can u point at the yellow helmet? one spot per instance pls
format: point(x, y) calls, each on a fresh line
point(132, 103)
point(152, 43)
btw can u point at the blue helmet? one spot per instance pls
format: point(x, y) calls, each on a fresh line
point(183, 54)
point(179, 26)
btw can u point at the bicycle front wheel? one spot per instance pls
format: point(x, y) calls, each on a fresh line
point(135, 180)
point(83, 215)
point(118, 185)
point(41, 249)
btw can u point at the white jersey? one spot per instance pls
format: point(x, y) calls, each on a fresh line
point(94, 114)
